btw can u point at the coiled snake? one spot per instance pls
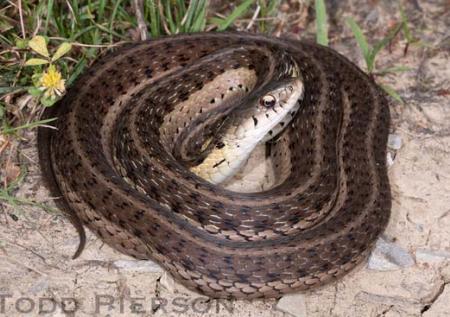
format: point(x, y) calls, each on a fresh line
point(132, 128)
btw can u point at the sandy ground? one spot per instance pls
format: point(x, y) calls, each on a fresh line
point(406, 275)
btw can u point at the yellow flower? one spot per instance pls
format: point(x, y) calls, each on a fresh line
point(52, 82)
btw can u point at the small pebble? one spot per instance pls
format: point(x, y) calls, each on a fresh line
point(394, 142)
point(389, 160)
point(140, 266)
point(432, 256)
point(388, 256)
point(293, 304)
point(40, 285)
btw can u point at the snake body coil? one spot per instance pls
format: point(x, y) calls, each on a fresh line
point(127, 134)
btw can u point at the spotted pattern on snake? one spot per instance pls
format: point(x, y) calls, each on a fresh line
point(118, 171)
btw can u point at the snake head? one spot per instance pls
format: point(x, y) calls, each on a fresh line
point(279, 94)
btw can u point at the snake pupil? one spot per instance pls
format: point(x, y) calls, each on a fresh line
point(268, 101)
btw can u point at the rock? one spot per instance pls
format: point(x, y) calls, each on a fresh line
point(439, 307)
point(139, 266)
point(389, 159)
point(406, 305)
point(372, 17)
point(167, 282)
point(432, 256)
point(379, 263)
point(389, 256)
point(445, 273)
point(40, 285)
point(293, 304)
point(172, 287)
point(394, 142)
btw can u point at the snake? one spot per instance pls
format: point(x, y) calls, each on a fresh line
point(146, 135)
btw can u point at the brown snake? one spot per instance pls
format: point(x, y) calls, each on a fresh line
point(115, 171)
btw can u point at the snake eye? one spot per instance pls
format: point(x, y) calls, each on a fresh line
point(268, 101)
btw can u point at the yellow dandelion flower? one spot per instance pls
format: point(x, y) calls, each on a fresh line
point(52, 82)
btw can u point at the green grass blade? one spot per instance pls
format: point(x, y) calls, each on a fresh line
point(113, 18)
point(391, 92)
point(395, 69)
point(169, 17)
point(321, 23)
point(179, 10)
point(110, 32)
point(28, 126)
point(75, 36)
point(59, 23)
point(8, 90)
point(405, 27)
point(385, 41)
point(199, 21)
point(155, 23)
point(5, 41)
point(272, 5)
point(76, 71)
point(49, 15)
point(382, 43)
point(362, 42)
point(267, 10)
point(76, 11)
point(240, 10)
point(101, 9)
point(187, 20)
point(215, 20)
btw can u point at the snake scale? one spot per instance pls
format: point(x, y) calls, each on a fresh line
point(126, 137)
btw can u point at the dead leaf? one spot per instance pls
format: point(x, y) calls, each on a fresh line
point(12, 172)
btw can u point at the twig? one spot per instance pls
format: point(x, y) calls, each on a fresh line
point(88, 45)
point(5, 143)
point(48, 126)
point(255, 15)
point(22, 26)
point(163, 19)
point(71, 11)
point(38, 26)
point(138, 5)
point(184, 19)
